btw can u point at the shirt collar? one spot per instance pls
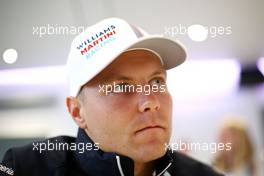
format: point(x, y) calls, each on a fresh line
point(97, 162)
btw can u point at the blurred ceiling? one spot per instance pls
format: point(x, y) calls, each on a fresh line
point(21, 22)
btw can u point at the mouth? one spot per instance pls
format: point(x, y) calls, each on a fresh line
point(154, 127)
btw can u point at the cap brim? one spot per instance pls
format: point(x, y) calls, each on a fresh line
point(172, 52)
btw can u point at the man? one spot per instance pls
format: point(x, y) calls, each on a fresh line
point(119, 100)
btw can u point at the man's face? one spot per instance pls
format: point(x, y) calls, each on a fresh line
point(133, 124)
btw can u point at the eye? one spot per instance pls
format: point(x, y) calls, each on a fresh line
point(158, 81)
point(121, 88)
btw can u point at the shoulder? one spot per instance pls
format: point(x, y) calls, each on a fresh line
point(41, 155)
point(185, 165)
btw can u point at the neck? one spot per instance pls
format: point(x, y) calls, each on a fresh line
point(143, 169)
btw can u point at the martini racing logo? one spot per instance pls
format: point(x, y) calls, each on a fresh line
point(97, 41)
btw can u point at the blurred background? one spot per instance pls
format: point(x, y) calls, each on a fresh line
point(221, 82)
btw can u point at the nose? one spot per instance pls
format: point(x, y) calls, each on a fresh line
point(148, 103)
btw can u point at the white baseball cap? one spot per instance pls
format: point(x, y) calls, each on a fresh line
point(95, 48)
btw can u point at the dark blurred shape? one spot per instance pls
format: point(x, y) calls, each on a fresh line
point(27, 102)
point(5, 143)
point(251, 76)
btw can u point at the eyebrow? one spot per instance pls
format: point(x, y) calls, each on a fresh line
point(159, 72)
point(127, 78)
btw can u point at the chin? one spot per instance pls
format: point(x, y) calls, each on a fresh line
point(150, 147)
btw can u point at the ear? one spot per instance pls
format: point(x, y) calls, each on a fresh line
point(73, 106)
